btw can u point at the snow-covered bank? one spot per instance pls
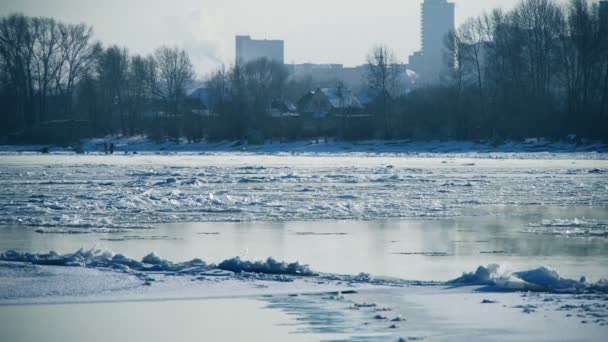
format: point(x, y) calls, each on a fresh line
point(489, 306)
point(374, 147)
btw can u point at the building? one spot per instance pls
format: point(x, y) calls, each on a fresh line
point(248, 50)
point(329, 74)
point(603, 17)
point(327, 101)
point(437, 18)
point(416, 62)
point(283, 108)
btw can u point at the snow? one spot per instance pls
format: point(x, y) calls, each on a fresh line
point(359, 305)
point(141, 144)
point(540, 279)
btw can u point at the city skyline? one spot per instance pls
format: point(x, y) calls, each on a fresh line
point(206, 29)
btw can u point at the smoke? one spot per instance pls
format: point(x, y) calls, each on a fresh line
point(197, 33)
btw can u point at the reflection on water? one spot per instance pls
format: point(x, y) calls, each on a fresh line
point(188, 321)
point(412, 249)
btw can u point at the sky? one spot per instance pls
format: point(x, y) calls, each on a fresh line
point(315, 31)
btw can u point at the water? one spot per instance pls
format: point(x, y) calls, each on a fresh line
point(430, 249)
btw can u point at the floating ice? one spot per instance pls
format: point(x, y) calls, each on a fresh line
point(570, 227)
point(82, 193)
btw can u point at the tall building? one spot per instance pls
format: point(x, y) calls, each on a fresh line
point(248, 49)
point(604, 17)
point(437, 21)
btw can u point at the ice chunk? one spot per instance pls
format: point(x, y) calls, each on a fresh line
point(152, 259)
point(269, 266)
point(539, 279)
point(548, 278)
point(99, 259)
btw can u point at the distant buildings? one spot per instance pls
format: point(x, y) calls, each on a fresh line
point(329, 74)
point(248, 49)
point(437, 21)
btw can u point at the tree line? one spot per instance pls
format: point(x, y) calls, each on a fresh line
point(53, 71)
point(539, 70)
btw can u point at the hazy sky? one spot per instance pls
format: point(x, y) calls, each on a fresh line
point(318, 31)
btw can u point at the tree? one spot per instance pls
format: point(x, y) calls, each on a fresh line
point(173, 74)
point(16, 49)
point(472, 38)
point(217, 84)
point(79, 56)
point(265, 81)
point(112, 70)
point(582, 56)
point(47, 59)
point(382, 77)
point(538, 22)
point(139, 90)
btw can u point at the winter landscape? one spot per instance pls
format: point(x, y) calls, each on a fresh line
point(155, 194)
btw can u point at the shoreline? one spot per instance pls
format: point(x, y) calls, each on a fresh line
point(141, 144)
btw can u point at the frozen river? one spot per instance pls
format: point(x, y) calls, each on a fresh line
point(411, 217)
point(425, 218)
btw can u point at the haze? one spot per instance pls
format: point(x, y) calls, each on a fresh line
point(315, 31)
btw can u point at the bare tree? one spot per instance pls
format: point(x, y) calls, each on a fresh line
point(112, 70)
point(382, 78)
point(472, 39)
point(265, 80)
point(174, 73)
point(217, 83)
point(583, 59)
point(139, 90)
point(47, 58)
point(538, 22)
point(78, 55)
point(16, 49)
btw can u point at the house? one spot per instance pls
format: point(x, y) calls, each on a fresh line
point(329, 101)
point(283, 108)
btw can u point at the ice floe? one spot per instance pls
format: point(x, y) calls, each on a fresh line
point(570, 227)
